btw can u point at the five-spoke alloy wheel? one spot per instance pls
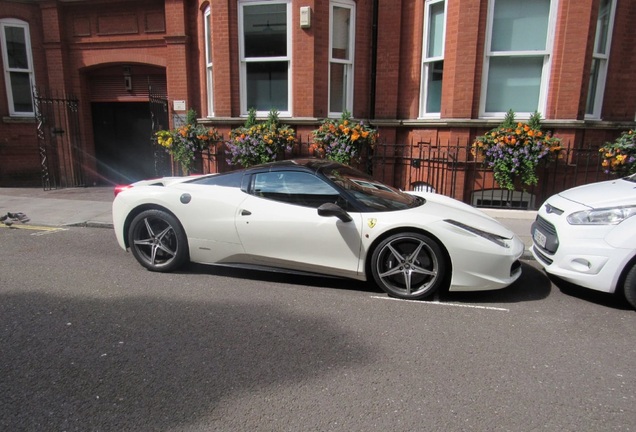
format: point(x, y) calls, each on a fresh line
point(158, 241)
point(409, 266)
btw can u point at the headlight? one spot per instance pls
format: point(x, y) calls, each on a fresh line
point(499, 240)
point(604, 216)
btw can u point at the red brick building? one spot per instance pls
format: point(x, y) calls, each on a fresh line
point(435, 71)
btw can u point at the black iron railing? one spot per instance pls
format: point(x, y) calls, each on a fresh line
point(453, 171)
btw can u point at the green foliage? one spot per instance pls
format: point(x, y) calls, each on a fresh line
point(183, 143)
point(619, 157)
point(513, 150)
point(256, 143)
point(342, 140)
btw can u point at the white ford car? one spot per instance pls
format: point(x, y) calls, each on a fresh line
point(587, 236)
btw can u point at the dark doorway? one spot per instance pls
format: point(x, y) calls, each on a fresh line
point(123, 147)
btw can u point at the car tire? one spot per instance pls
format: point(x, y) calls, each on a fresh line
point(409, 266)
point(629, 287)
point(158, 241)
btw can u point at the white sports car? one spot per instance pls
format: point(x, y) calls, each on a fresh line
point(587, 235)
point(319, 217)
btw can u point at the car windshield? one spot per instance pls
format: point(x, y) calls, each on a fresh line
point(631, 178)
point(370, 192)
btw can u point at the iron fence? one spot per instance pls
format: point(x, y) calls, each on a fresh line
point(59, 143)
point(453, 171)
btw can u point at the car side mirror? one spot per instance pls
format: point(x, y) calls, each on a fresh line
point(331, 209)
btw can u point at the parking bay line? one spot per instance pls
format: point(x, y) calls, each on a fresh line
point(34, 228)
point(437, 302)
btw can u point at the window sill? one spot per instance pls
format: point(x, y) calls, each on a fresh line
point(18, 120)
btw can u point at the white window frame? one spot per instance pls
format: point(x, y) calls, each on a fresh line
point(244, 61)
point(347, 64)
point(545, 71)
point(429, 62)
point(602, 60)
point(11, 22)
point(209, 79)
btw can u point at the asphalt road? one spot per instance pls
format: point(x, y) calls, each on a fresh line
point(90, 341)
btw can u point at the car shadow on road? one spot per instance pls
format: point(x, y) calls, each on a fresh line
point(614, 301)
point(318, 281)
point(153, 364)
point(531, 286)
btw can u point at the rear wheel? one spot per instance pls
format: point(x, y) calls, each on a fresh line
point(630, 286)
point(409, 266)
point(157, 241)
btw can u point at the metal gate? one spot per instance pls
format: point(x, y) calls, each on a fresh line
point(59, 140)
point(160, 121)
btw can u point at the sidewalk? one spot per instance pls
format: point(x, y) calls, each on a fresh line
point(92, 207)
point(61, 207)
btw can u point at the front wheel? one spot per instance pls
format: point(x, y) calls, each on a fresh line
point(409, 266)
point(630, 286)
point(157, 241)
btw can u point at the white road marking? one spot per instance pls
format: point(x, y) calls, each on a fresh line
point(437, 302)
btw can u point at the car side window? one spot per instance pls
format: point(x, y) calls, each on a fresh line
point(298, 188)
point(232, 179)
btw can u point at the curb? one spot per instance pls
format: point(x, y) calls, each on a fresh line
point(91, 224)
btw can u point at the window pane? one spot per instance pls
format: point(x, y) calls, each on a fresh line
point(208, 39)
point(520, 25)
point(434, 87)
point(265, 30)
point(591, 91)
point(514, 83)
point(267, 86)
point(337, 87)
point(340, 42)
point(16, 47)
point(294, 188)
point(436, 30)
point(21, 91)
point(602, 25)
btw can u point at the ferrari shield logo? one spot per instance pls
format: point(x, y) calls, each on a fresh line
point(371, 222)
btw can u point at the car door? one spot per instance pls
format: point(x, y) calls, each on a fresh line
point(208, 215)
point(279, 225)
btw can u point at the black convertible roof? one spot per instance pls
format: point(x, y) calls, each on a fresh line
point(311, 164)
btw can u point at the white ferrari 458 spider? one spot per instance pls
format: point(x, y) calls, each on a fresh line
point(317, 217)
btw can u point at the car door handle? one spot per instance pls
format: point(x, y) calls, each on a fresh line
point(245, 213)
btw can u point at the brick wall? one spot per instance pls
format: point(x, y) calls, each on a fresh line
point(82, 38)
point(19, 156)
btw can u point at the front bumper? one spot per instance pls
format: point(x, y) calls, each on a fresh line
point(484, 266)
point(577, 254)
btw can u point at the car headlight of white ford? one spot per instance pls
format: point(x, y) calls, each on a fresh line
point(603, 216)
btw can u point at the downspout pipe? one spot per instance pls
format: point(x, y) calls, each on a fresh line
point(374, 59)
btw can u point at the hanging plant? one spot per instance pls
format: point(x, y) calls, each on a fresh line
point(185, 142)
point(619, 157)
point(342, 140)
point(513, 150)
point(256, 143)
